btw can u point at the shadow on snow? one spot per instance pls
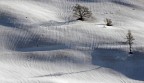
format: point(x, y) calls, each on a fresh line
point(118, 60)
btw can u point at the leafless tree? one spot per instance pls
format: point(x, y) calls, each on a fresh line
point(129, 41)
point(81, 12)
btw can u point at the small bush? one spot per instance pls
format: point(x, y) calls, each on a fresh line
point(108, 22)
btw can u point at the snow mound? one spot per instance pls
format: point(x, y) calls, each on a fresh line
point(41, 42)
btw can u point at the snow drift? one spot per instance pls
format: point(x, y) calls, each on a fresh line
point(41, 42)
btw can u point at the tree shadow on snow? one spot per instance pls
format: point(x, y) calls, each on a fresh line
point(56, 23)
point(118, 60)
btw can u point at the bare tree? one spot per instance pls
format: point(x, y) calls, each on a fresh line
point(129, 41)
point(81, 12)
point(108, 22)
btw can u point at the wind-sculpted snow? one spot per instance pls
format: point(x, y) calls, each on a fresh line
point(41, 42)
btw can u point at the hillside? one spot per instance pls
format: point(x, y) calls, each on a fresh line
point(41, 42)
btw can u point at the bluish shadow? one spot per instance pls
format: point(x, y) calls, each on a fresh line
point(119, 61)
point(32, 40)
point(124, 3)
point(8, 20)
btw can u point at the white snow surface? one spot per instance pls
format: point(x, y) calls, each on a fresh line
point(41, 42)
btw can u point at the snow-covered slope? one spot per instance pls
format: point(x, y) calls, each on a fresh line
point(40, 42)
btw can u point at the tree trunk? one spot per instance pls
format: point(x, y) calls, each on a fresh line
point(130, 48)
point(82, 19)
